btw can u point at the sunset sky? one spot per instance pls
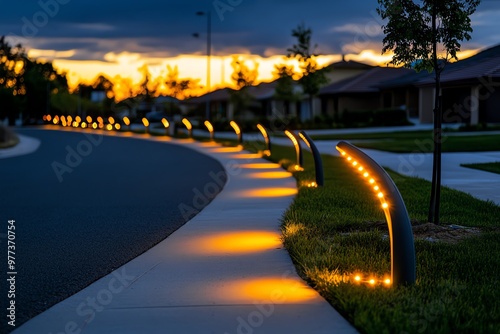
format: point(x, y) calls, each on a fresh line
point(89, 37)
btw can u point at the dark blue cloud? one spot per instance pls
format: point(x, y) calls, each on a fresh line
point(166, 27)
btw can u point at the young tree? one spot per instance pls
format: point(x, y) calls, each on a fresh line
point(180, 88)
point(312, 79)
point(285, 86)
point(243, 77)
point(414, 31)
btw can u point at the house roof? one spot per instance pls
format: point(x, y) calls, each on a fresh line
point(263, 90)
point(484, 64)
point(366, 82)
point(217, 95)
point(348, 65)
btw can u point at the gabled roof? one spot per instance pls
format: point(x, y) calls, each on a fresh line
point(484, 64)
point(366, 82)
point(264, 90)
point(217, 95)
point(348, 65)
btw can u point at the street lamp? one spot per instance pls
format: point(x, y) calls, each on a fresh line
point(209, 48)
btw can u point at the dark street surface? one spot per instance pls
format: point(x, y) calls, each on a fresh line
point(118, 201)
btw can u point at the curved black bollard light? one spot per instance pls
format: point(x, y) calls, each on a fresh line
point(318, 162)
point(188, 126)
point(298, 150)
point(267, 139)
point(126, 121)
point(145, 122)
point(403, 267)
point(166, 125)
point(238, 132)
point(210, 129)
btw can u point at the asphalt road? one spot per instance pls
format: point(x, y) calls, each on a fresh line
point(121, 197)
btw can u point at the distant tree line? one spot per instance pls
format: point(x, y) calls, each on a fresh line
point(25, 84)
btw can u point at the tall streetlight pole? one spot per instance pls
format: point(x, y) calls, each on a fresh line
point(208, 13)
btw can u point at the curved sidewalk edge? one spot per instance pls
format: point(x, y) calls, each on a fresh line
point(26, 145)
point(224, 271)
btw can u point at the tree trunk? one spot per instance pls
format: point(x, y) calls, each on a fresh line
point(433, 216)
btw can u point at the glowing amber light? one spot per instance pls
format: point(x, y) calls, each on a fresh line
point(209, 126)
point(292, 137)
point(385, 205)
point(360, 169)
point(94, 125)
point(357, 278)
point(69, 120)
point(261, 166)
point(89, 119)
point(78, 119)
point(355, 163)
point(305, 140)
point(376, 188)
point(263, 131)
point(366, 174)
point(380, 195)
point(237, 242)
point(111, 120)
point(269, 175)
point(145, 122)
point(100, 119)
point(275, 290)
point(372, 181)
point(235, 127)
point(126, 121)
point(227, 149)
point(187, 124)
point(387, 281)
point(56, 120)
point(109, 127)
point(269, 192)
point(247, 156)
point(101, 125)
point(371, 281)
point(83, 125)
point(165, 123)
point(118, 126)
point(75, 124)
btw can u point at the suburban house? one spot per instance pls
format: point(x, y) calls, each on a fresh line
point(470, 90)
point(360, 92)
point(470, 93)
point(265, 104)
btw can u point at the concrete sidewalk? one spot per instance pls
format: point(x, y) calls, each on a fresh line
point(225, 271)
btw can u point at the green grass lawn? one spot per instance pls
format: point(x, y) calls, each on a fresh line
point(493, 167)
point(375, 135)
point(400, 144)
point(328, 234)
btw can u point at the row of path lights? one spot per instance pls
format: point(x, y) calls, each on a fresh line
point(403, 263)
